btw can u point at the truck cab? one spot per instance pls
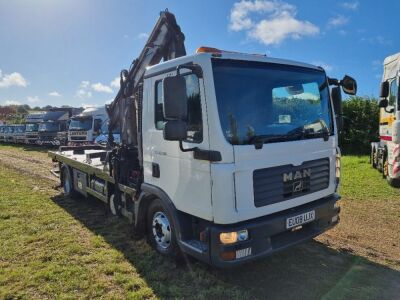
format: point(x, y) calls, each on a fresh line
point(86, 126)
point(2, 129)
point(385, 153)
point(32, 126)
point(9, 134)
point(19, 134)
point(53, 123)
point(268, 120)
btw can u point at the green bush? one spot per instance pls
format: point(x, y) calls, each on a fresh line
point(361, 125)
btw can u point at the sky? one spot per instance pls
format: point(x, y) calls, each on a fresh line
point(70, 52)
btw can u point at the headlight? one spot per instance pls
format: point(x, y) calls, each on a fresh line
point(233, 237)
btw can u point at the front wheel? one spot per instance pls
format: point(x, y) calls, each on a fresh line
point(160, 230)
point(394, 182)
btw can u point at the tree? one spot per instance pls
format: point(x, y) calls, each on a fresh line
point(361, 125)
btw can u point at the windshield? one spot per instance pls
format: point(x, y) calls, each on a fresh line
point(81, 124)
point(31, 127)
point(19, 129)
point(270, 102)
point(50, 126)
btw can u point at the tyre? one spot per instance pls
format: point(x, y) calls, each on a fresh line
point(394, 182)
point(114, 205)
point(67, 183)
point(160, 230)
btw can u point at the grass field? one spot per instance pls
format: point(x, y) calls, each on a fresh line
point(55, 247)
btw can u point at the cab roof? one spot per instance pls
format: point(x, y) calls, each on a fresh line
point(151, 71)
point(391, 66)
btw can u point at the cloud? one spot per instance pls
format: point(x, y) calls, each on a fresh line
point(351, 5)
point(33, 99)
point(143, 36)
point(83, 91)
point(86, 88)
point(376, 64)
point(115, 82)
point(277, 24)
point(380, 40)
point(12, 102)
point(338, 21)
point(54, 94)
point(327, 67)
point(13, 79)
point(101, 88)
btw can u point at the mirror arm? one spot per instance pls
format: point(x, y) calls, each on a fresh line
point(389, 111)
point(186, 150)
point(333, 81)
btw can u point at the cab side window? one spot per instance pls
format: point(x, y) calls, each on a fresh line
point(194, 120)
point(393, 93)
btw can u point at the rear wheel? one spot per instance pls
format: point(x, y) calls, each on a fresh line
point(67, 183)
point(114, 205)
point(160, 230)
point(374, 158)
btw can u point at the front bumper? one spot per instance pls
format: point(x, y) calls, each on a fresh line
point(269, 234)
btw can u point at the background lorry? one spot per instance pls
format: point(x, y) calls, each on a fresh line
point(54, 125)
point(19, 134)
point(86, 126)
point(224, 156)
point(2, 132)
point(385, 154)
point(32, 126)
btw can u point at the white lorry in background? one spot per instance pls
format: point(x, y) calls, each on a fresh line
point(224, 156)
point(385, 154)
point(86, 126)
point(32, 126)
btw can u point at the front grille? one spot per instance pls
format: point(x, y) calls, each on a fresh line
point(277, 184)
point(78, 138)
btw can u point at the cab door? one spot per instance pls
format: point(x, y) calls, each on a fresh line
point(185, 180)
point(386, 117)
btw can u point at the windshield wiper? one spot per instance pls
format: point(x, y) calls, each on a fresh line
point(307, 133)
point(260, 140)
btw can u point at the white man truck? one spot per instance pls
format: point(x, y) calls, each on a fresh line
point(86, 126)
point(224, 156)
point(385, 154)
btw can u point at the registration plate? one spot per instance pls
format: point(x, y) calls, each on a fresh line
point(300, 219)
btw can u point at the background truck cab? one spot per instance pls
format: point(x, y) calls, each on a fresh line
point(385, 154)
point(86, 126)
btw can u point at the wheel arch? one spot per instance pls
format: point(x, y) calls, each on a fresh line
point(148, 195)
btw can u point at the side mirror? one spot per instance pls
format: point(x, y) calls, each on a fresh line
point(383, 103)
point(175, 98)
point(175, 130)
point(384, 93)
point(336, 96)
point(349, 85)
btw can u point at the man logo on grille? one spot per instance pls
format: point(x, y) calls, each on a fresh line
point(301, 174)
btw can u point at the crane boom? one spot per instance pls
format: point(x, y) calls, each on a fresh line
point(165, 42)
